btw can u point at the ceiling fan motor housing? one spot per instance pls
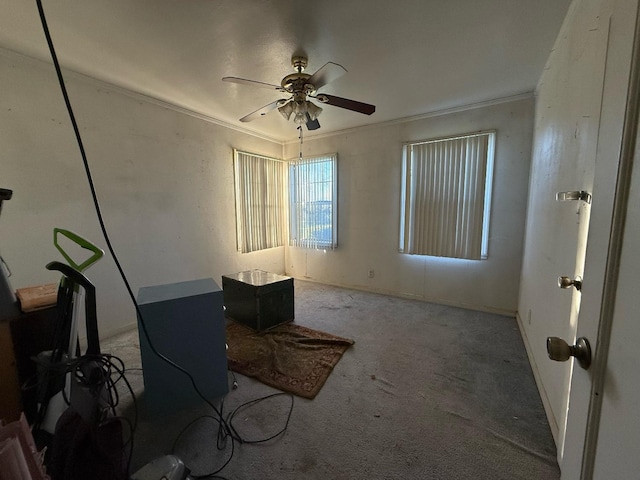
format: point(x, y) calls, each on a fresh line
point(297, 83)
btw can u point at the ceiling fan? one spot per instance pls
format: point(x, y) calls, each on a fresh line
point(302, 87)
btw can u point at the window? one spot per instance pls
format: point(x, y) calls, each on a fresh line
point(261, 200)
point(313, 212)
point(446, 196)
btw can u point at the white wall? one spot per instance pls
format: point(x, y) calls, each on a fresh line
point(164, 180)
point(369, 204)
point(165, 183)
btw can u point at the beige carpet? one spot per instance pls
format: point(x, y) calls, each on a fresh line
point(423, 394)
point(290, 357)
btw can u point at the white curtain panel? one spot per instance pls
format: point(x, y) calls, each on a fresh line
point(261, 201)
point(313, 195)
point(445, 187)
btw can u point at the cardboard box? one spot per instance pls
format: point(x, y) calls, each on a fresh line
point(37, 297)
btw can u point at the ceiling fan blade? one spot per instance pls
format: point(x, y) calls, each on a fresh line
point(253, 83)
point(360, 107)
point(312, 124)
point(264, 110)
point(328, 73)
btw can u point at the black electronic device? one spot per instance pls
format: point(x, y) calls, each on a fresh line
point(8, 303)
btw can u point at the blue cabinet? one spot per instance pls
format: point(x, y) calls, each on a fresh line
point(185, 323)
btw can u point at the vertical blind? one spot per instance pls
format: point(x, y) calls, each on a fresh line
point(446, 196)
point(313, 202)
point(261, 201)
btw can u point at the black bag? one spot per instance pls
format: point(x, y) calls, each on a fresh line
point(82, 451)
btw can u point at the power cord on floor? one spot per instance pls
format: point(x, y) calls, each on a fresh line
point(250, 404)
point(234, 384)
point(230, 431)
point(225, 428)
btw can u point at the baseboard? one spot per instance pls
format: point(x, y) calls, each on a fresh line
point(112, 332)
point(553, 423)
point(117, 331)
point(391, 293)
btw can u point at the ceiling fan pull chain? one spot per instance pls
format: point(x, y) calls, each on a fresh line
point(300, 137)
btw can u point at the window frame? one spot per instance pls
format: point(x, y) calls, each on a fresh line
point(293, 203)
point(408, 204)
point(268, 228)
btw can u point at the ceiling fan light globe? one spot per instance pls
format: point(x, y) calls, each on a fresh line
point(313, 110)
point(300, 107)
point(286, 110)
point(300, 119)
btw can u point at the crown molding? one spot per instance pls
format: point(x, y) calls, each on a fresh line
point(435, 113)
point(11, 54)
point(69, 73)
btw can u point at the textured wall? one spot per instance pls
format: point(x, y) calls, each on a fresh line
point(164, 180)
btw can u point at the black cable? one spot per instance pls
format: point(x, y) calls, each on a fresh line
point(53, 375)
point(230, 430)
point(251, 403)
point(221, 426)
point(95, 373)
point(112, 385)
point(234, 385)
point(130, 441)
point(108, 365)
point(98, 210)
point(101, 220)
point(111, 365)
point(225, 429)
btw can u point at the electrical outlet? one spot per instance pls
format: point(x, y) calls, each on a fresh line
point(370, 274)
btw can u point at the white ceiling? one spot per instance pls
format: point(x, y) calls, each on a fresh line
point(408, 57)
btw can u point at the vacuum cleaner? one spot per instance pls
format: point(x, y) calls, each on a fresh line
point(70, 303)
point(168, 467)
point(86, 403)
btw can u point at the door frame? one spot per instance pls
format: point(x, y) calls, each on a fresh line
point(616, 237)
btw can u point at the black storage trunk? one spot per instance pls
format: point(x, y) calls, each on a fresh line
point(258, 299)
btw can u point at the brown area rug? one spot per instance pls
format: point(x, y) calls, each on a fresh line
point(290, 357)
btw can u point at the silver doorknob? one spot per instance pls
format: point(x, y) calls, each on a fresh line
point(561, 351)
point(566, 282)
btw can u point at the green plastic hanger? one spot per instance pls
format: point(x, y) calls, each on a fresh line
point(84, 243)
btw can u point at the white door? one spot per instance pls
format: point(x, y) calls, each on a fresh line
point(602, 443)
point(619, 431)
